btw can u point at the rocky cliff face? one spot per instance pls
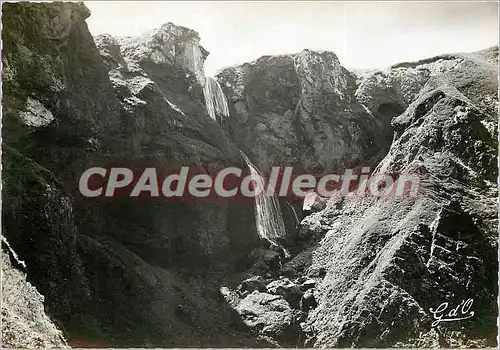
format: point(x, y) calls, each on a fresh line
point(396, 260)
point(145, 272)
point(158, 80)
point(302, 110)
point(115, 271)
point(367, 272)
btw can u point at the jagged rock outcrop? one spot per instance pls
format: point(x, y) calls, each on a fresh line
point(301, 110)
point(387, 262)
point(171, 45)
point(378, 266)
point(398, 86)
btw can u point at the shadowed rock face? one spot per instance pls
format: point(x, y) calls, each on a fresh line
point(115, 271)
point(124, 272)
point(158, 80)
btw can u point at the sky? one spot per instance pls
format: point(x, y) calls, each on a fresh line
point(362, 34)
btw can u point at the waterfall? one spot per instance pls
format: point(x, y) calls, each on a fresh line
point(215, 100)
point(268, 216)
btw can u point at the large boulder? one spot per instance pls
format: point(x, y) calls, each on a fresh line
point(289, 290)
point(269, 316)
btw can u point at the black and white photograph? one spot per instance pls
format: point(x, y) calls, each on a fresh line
point(249, 174)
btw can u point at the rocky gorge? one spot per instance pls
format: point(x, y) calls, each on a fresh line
point(143, 272)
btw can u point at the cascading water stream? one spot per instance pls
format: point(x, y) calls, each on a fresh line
point(215, 100)
point(268, 216)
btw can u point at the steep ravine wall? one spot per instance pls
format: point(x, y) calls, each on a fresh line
point(367, 272)
point(117, 271)
point(124, 272)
